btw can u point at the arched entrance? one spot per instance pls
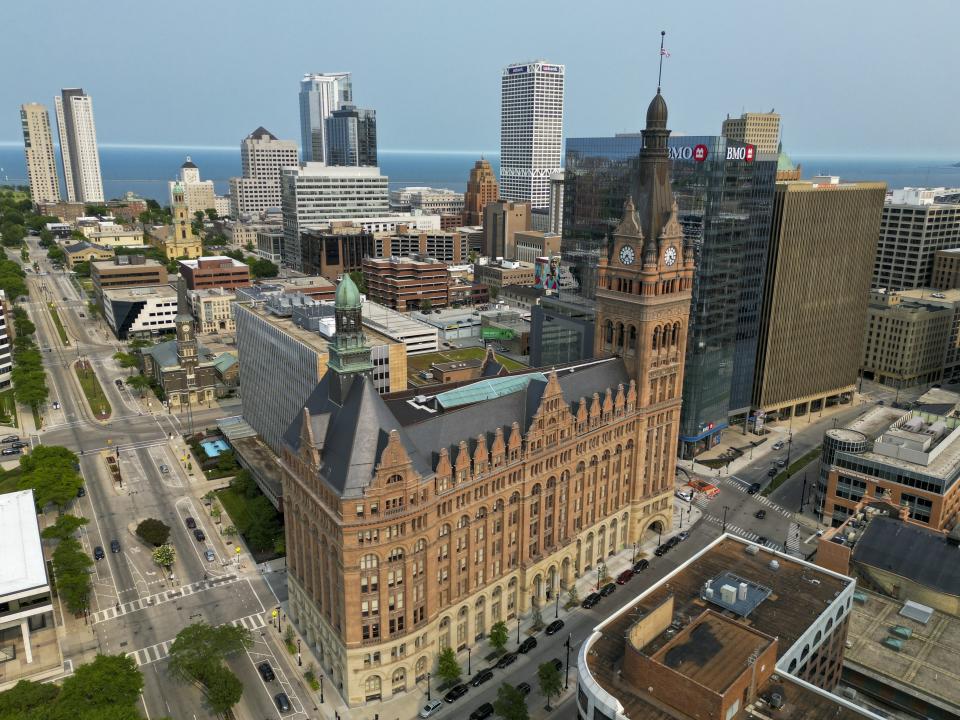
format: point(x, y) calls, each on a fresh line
point(565, 573)
point(551, 582)
point(653, 532)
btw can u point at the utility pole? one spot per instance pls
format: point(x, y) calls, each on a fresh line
point(566, 673)
point(725, 508)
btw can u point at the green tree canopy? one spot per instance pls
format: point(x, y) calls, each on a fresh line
point(212, 214)
point(425, 305)
point(28, 699)
point(448, 668)
point(64, 527)
point(98, 210)
point(358, 280)
point(262, 268)
point(551, 681)
point(164, 555)
point(51, 472)
point(12, 233)
point(499, 636)
point(108, 687)
point(71, 567)
point(224, 689)
point(510, 703)
point(199, 647)
point(139, 383)
point(153, 531)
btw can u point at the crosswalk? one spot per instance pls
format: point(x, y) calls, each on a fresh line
point(792, 546)
point(117, 610)
point(161, 650)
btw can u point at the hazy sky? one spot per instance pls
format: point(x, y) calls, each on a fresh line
point(849, 76)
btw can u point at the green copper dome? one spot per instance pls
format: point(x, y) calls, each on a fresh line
point(348, 296)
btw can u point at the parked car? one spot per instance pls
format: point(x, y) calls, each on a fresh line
point(554, 627)
point(755, 487)
point(18, 444)
point(770, 473)
point(661, 550)
point(56, 404)
point(590, 600)
point(507, 660)
point(524, 688)
point(198, 534)
point(761, 540)
point(682, 535)
point(527, 645)
point(10, 439)
point(781, 463)
point(607, 589)
point(266, 672)
point(98, 553)
point(191, 523)
point(686, 496)
point(624, 577)
point(282, 701)
point(482, 712)
point(760, 514)
point(164, 470)
point(557, 664)
point(481, 677)
point(778, 445)
point(119, 382)
point(10, 451)
point(430, 709)
point(455, 693)
point(672, 542)
point(114, 546)
point(81, 491)
point(210, 555)
point(640, 565)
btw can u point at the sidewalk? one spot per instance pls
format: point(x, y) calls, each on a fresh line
point(408, 704)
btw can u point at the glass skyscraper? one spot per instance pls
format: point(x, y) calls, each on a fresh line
point(352, 137)
point(320, 95)
point(724, 193)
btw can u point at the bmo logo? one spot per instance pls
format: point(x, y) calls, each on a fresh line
point(700, 153)
point(741, 153)
point(697, 152)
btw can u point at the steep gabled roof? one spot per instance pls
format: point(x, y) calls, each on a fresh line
point(260, 133)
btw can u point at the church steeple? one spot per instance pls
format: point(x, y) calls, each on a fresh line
point(349, 353)
point(186, 337)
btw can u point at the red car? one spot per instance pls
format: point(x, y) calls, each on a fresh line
point(624, 577)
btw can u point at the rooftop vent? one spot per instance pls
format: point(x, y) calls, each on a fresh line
point(751, 549)
point(774, 564)
point(776, 700)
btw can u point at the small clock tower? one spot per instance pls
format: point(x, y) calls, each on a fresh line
point(186, 337)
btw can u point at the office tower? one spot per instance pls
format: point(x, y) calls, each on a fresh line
point(38, 148)
point(916, 223)
point(262, 157)
point(78, 146)
point(761, 130)
point(531, 131)
point(815, 294)
point(502, 220)
point(6, 352)
point(320, 95)
point(352, 136)
point(482, 188)
point(725, 201)
point(199, 194)
point(405, 283)
point(314, 193)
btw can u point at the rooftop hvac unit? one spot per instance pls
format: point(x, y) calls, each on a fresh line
point(709, 593)
point(728, 594)
point(776, 700)
point(751, 549)
point(742, 591)
point(849, 693)
point(774, 564)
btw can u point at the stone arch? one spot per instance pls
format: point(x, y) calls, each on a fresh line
point(608, 333)
point(620, 335)
point(624, 526)
point(480, 618)
point(537, 588)
point(420, 669)
point(512, 598)
point(613, 537)
point(675, 335)
point(654, 524)
point(588, 552)
point(496, 604)
point(577, 560)
point(601, 543)
point(552, 587)
point(565, 573)
point(632, 339)
point(656, 339)
point(398, 681)
point(372, 688)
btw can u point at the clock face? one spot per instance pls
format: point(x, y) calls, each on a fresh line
point(626, 255)
point(670, 256)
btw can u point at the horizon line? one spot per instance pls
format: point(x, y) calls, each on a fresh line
point(180, 146)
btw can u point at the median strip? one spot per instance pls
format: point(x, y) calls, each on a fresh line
point(96, 398)
point(61, 331)
point(795, 467)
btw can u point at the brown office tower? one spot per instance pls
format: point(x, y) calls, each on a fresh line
point(404, 283)
point(415, 522)
point(482, 189)
point(819, 266)
point(502, 219)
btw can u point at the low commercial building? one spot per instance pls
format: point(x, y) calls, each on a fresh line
point(28, 633)
point(407, 283)
point(912, 337)
point(269, 245)
point(117, 237)
point(417, 337)
point(173, 246)
point(521, 297)
point(336, 249)
point(68, 212)
point(452, 324)
point(215, 271)
point(140, 311)
point(448, 246)
point(737, 631)
point(128, 208)
point(908, 458)
point(427, 200)
point(561, 331)
point(508, 329)
point(125, 271)
point(468, 294)
point(85, 252)
point(212, 311)
point(506, 272)
point(946, 269)
point(531, 244)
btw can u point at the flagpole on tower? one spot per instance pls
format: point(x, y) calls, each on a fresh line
point(660, 71)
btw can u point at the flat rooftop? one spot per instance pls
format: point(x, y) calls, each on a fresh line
point(311, 338)
point(195, 263)
point(114, 265)
point(142, 292)
point(393, 324)
point(23, 566)
point(926, 664)
point(900, 441)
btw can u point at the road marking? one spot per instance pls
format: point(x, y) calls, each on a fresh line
point(161, 650)
point(160, 598)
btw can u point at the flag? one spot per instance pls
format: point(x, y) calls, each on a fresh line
point(663, 51)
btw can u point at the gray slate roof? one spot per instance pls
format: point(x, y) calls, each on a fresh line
point(165, 354)
point(912, 552)
point(354, 435)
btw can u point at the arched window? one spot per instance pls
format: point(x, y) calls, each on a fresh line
point(816, 638)
point(608, 333)
point(632, 341)
point(619, 335)
point(396, 555)
point(515, 498)
point(535, 490)
point(463, 522)
point(656, 338)
point(444, 530)
point(675, 340)
point(394, 479)
point(551, 483)
point(369, 562)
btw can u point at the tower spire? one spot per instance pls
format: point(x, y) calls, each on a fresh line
point(662, 53)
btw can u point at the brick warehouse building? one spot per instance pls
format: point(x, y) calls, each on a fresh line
point(418, 521)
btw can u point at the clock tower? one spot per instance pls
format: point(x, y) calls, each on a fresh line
point(186, 338)
point(643, 308)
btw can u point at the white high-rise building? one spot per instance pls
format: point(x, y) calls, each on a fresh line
point(531, 131)
point(262, 157)
point(38, 148)
point(198, 194)
point(78, 146)
point(320, 95)
point(314, 193)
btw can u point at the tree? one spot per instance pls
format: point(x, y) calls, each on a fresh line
point(425, 305)
point(212, 214)
point(448, 668)
point(499, 635)
point(12, 234)
point(153, 531)
point(140, 343)
point(359, 280)
point(572, 597)
point(550, 679)
point(27, 699)
point(198, 647)
point(71, 567)
point(140, 383)
point(223, 689)
point(64, 527)
point(264, 524)
point(98, 210)
point(126, 360)
point(536, 618)
point(472, 257)
point(51, 472)
point(104, 688)
point(510, 703)
point(494, 291)
point(262, 268)
point(226, 461)
point(164, 556)
point(82, 268)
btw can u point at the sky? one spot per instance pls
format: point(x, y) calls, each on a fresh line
point(849, 77)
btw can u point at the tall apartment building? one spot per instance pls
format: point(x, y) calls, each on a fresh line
point(911, 232)
point(405, 283)
point(352, 137)
point(199, 194)
point(38, 148)
point(762, 130)
point(482, 188)
point(335, 250)
point(912, 337)
point(78, 146)
point(6, 347)
point(815, 294)
point(314, 193)
point(531, 131)
point(502, 220)
point(320, 95)
point(262, 157)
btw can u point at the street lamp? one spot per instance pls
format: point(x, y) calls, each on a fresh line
point(299, 658)
point(518, 629)
point(469, 667)
point(279, 621)
point(566, 672)
point(321, 687)
point(428, 689)
point(556, 611)
point(803, 490)
point(725, 508)
point(634, 560)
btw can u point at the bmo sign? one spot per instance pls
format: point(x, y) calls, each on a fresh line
point(686, 152)
point(741, 153)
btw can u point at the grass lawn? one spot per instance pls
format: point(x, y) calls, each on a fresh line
point(795, 467)
point(96, 398)
point(416, 363)
point(235, 506)
point(37, 420)
point(8, 407)
point(60, 329)
point(9, 480)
